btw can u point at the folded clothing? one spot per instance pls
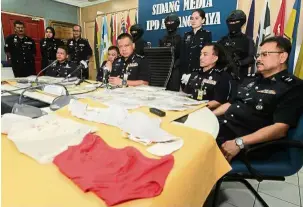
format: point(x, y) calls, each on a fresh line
point(115, 175)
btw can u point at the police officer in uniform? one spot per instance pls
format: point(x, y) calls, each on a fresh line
point(137, 32)
point(211, 82)
point(240, 48)
point(49, 46)
point(192, 43)
point(79, 49)
point(20, 50)
point(265, 106)
point(63, 67)
point(172, 39)
point(130, 69)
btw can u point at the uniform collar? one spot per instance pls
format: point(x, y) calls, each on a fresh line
point(277, 76)
point(63, 63)
point(200, 30)
point(210, 71)
point(130, 58)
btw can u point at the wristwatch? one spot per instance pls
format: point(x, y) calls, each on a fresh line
point(239, 142)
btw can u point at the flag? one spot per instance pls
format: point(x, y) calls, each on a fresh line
point(111, 29)
point(104, 41)
point(264, 30)
point(251, 20)
point(97, 44)
point(291, 31)
point(123, 26)
point(279, 26)
point(114, 36)
point(299, 65)
point(128, 24)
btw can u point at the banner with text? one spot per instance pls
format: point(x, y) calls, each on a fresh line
point(153, 13)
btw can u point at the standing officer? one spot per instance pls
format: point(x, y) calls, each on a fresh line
point(49, 46)
point(239, 47)
point(20, 50)
point(137, 32)
point(129, 69)
point(210, 82)
point(79, 48)
point(265, 107)
point(192, 43)
point(172, 39)
point(63, 67)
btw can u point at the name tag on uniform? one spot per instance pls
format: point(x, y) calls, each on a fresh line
point(82, 45)
point(29, 43)
point(133, 65)
point(211, 82)
point(267, 91)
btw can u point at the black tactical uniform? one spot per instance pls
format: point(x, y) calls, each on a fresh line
point(22, 51)
point(261, 102)
point(239, 47)
point(48, 47)
point(62, 69)
point(172, 39)
point(214, 84)
point(79, 50)
point(191, 49)
point(137, 32)
point(136, 66)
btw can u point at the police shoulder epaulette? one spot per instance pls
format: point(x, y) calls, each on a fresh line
point(288, 79)
point(206, 30)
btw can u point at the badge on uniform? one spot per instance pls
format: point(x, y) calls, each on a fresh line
point(259, 107)
point(267, 91)
point(208, 81)
point(15, 40)
point(200, 94)
point(71, 43)
point(82, 45)
point(133, 65)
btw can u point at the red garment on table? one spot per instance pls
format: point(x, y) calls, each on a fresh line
point(115, 175)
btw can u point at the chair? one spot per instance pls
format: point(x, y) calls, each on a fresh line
point(279, 165)
point(161, 62)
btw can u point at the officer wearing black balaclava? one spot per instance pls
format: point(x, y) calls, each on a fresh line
point(239, 47)
point(172, 39)
point(49, 46)
point(137, 32)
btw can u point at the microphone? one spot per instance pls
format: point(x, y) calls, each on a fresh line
point(105, 75)
point(82, 65)
point(44, 69)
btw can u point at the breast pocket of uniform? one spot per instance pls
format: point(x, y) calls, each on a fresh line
point(209, 86)
point(265, 100)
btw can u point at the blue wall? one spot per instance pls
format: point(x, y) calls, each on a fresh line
point(153, 12)
point(49, 10)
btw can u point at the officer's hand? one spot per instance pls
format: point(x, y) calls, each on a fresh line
point(230, 149)
point(115, 81)
point(109, 65)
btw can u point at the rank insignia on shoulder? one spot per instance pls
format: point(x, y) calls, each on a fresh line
point(288, 79)
point(140, 56)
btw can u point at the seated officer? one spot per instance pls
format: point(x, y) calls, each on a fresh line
point(130, 67)
point(63, 67)
point(265, 106)
point(210, 81)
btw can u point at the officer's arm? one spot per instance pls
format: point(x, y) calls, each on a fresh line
point(221, 109)
point(144, 74)
point(89, 51)
point(251, 54)
point(33, 48)
point(137, 82)
point(213, 104)
point(272, 132)
point(7, 48)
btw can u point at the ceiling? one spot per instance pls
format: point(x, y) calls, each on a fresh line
point(81, 3)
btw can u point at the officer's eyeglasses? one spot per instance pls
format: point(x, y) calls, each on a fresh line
point(266, 53)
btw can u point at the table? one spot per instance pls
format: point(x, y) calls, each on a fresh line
point(198, 165)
